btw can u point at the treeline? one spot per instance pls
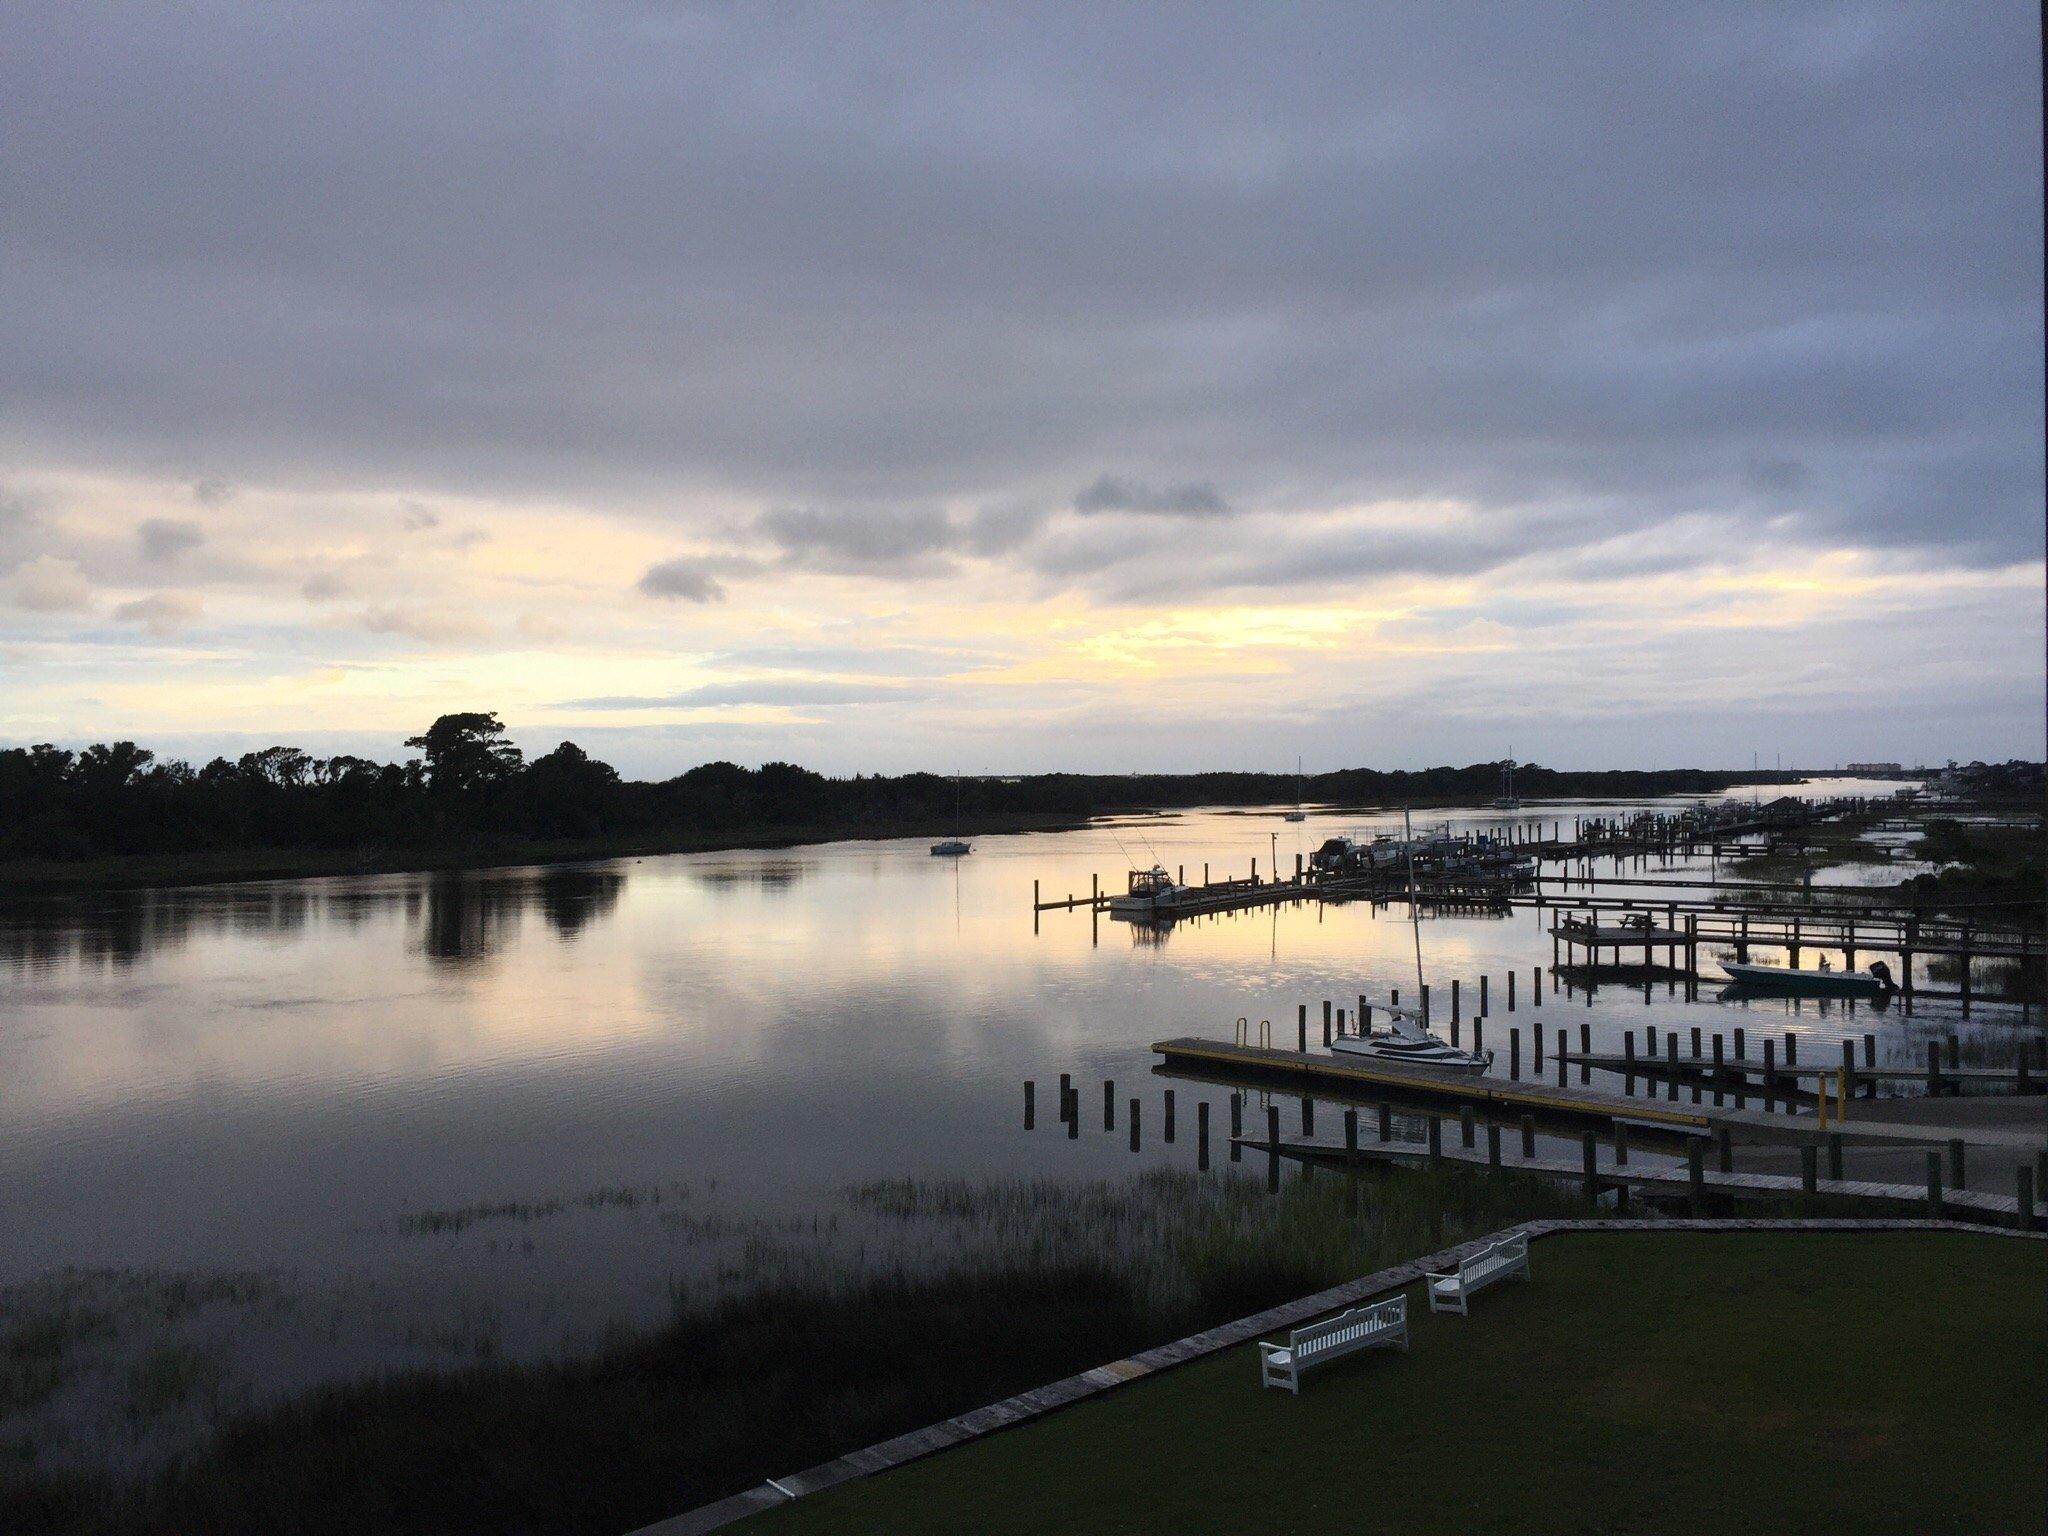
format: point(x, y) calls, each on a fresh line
point(469, 787)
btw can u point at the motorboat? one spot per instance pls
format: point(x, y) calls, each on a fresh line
point(1412, 1045)
point(1149, 893)
point(1875, 982)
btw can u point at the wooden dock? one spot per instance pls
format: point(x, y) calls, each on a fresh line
point(1338, 1077)
point(1649, 1178)
point(2022, 1077)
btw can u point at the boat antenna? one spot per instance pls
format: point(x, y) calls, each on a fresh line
point(1414, 907)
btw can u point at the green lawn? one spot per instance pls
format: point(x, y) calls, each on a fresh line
point(1675, 1382)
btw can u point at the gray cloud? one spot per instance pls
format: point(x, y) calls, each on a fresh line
point(212, 492)
point(161, 613)
point(1110, 494)
point(433, 625)
point(49, 585)
point(691, 580)
point(862, 541)
point(323, 586)
point(1500, 252)
point(764, 691)
point(166, 538)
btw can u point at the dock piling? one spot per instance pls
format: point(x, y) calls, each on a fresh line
point(1493, 1143)
point(1835, 1156)
point(1956, 1176)
point(1436, 1138)
point(1621, 1143)
point(1134, 1125)
point(1386, 1122)
point(2023, 1183)
point(1308, 1117)
point(1351, 1131)
point(1109, 1103)
point(1809, 1169)
point(1465, 1125)
point(1696, 1176)
point(1166, 1131)
point(1515, 1055)
point(1589, 1162)
point(1934, 1185)
point(1528, 1136)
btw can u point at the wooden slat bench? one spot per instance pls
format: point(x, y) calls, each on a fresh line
point(1449, 1292)
point(1384, 1324)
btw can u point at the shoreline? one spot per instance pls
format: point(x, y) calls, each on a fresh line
point(51, 877)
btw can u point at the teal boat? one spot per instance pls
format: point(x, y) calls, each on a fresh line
point(1875, 982)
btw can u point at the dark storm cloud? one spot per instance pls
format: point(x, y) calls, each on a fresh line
point(1776, 263)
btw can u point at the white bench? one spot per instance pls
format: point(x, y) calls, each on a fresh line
point(1448, 1292)
point(1382, 1324)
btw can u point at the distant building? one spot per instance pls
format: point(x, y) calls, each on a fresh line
point(1877, 770)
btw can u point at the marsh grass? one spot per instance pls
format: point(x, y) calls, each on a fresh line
point(937, 1298)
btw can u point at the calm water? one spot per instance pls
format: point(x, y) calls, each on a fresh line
point(520, 1101)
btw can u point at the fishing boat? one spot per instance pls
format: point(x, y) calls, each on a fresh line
point(1875, 982)
point(1409, 1040)
point(1149, 893)
point(1297, 814)
point(953, 847)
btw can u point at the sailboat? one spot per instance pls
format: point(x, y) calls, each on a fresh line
point(1409, 1040)
point(1507, 800)
point(953, 847)
point(1297, 814)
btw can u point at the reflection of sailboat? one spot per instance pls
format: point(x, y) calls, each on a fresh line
point(953, 847)
point(1297, 814)
point(1410, 1040)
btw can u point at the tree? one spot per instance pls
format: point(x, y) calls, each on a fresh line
point(465, 753)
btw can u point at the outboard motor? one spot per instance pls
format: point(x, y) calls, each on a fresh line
point(1883, 973)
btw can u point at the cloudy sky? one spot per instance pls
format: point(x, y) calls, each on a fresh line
point(1011, 387)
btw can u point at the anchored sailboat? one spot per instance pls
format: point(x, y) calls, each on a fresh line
point(953, 847)
point(1410, 1040)
point(1297, 814)
point(1507, 800)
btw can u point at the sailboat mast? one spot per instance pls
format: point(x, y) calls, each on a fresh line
point(1414, 908)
